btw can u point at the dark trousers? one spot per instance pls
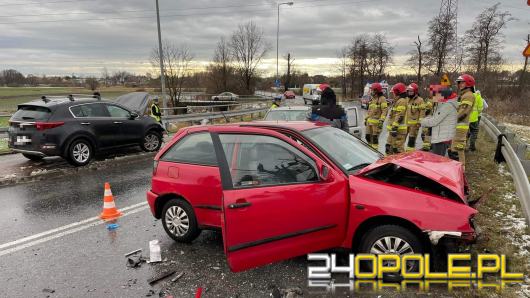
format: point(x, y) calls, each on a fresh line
point(473, 133)
point(439, 148)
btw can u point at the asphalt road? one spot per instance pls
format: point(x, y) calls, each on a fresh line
point(52, 243)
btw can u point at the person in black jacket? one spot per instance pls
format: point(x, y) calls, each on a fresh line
point(328, 111)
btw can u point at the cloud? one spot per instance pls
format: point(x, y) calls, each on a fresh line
point(85, 36)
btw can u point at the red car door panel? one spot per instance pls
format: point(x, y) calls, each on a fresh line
point(267, 223)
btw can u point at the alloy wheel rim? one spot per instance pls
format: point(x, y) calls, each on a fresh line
point(391, 245)
point(177, 221)
point(151, 142)
point(81, 152)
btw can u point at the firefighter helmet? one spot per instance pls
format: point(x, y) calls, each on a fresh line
point(467, 79)
point(399, 88)
point(376, 87)
point(413, 87)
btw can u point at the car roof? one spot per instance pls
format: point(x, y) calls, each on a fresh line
point(293, 108)
point(242, 126)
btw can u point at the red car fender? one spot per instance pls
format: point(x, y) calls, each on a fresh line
point(374, 202)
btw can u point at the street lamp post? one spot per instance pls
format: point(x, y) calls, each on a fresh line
point(278, 36)
point(162, 78)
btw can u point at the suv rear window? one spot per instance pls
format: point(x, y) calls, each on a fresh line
point(32, 113)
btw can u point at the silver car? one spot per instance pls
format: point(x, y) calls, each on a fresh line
point(225, 96)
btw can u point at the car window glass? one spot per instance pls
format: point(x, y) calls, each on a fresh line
point(32, 113)
point(256, 160)
point(352, 116)
point(196, 149)
point(118, 112)
point(89, 110)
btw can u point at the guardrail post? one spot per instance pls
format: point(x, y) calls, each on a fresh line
point(498, 153)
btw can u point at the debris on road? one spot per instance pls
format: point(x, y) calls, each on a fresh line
point(133, 252)
point(48, 291)
point(153, 280)
point(177, 277)
point(150, 293)
point(154, 252)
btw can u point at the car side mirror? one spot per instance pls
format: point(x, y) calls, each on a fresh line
point(134, 115)
point(324, 173)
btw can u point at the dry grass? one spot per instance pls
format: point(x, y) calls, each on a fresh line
point(500, 217)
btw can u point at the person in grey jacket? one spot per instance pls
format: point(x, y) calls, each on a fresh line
point(443, 120)
point(329, 111)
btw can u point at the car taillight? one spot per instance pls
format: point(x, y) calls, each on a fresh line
point(47, 125)
point(155, 165)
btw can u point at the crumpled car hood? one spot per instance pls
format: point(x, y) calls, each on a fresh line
point(445, 171)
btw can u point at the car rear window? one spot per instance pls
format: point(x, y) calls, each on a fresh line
point(196, 148)
point(32, 113)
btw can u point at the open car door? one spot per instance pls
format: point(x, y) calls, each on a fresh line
point(279, 200)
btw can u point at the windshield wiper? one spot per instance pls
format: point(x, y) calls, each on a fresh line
point(28, 118)
point(358, 167)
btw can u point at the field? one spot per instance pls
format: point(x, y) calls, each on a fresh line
point(10, 97)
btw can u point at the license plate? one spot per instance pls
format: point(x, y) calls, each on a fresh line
point(22, 140)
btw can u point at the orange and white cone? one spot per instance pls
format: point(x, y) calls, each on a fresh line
point(109, 208)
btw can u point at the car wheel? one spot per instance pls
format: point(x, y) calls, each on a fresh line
point(179, 221)
point(33, 157)
point(152, 141)
point(216, 99)
point(80, 152)
point(391, 239)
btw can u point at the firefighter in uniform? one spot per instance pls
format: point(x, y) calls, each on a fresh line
point(466, 101)
point(397, 121)
point(377, 110)
point(414, 111)
point(155, 111)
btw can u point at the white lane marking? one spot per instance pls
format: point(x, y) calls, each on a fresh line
point(72, 225)
point(58, 235)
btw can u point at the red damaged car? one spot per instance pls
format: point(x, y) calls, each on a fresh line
point(279, 190)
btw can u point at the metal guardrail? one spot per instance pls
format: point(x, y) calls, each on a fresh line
point(520, 178)
point(212, 115)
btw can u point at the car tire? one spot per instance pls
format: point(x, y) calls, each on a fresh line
point(175, 215)
point(373, 242)
point(80, 152)
point(216, 99)
point(33, 157)
point(151, 142)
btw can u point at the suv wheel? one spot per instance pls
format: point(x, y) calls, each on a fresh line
point(80, 152)
point(179, 221)
point(151, 141)
point(33, 157)
point(391, 239)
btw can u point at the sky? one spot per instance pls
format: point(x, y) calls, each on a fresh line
point(81, 37)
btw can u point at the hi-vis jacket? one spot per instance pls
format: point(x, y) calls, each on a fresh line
point(414, 111)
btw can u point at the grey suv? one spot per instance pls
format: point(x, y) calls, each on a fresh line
point(78, 128)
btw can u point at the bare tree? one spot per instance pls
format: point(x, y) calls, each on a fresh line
point(484, 39)
point(441, 42)
point(119, 77)
point(415, 60)
point(11, 77)
point(359, 52)
point(290, 70)
point(92, 83)
point(343, 67)
point(221, 70)
point(177, 67)
point(105, 76)
point(379, 56)
point(248, 47)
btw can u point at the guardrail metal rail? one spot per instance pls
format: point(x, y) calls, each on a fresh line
point(520, 178)
point(211, 115)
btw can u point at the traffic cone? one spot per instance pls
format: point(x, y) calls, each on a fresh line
point(109, 208)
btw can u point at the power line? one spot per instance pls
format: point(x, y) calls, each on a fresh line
point(263, 11)
point(45, 2)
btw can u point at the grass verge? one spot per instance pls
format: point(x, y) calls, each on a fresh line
point(504, 230)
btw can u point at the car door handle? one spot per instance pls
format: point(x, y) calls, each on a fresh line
point(118, 122)
point(239, 205)
point(85, 123)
